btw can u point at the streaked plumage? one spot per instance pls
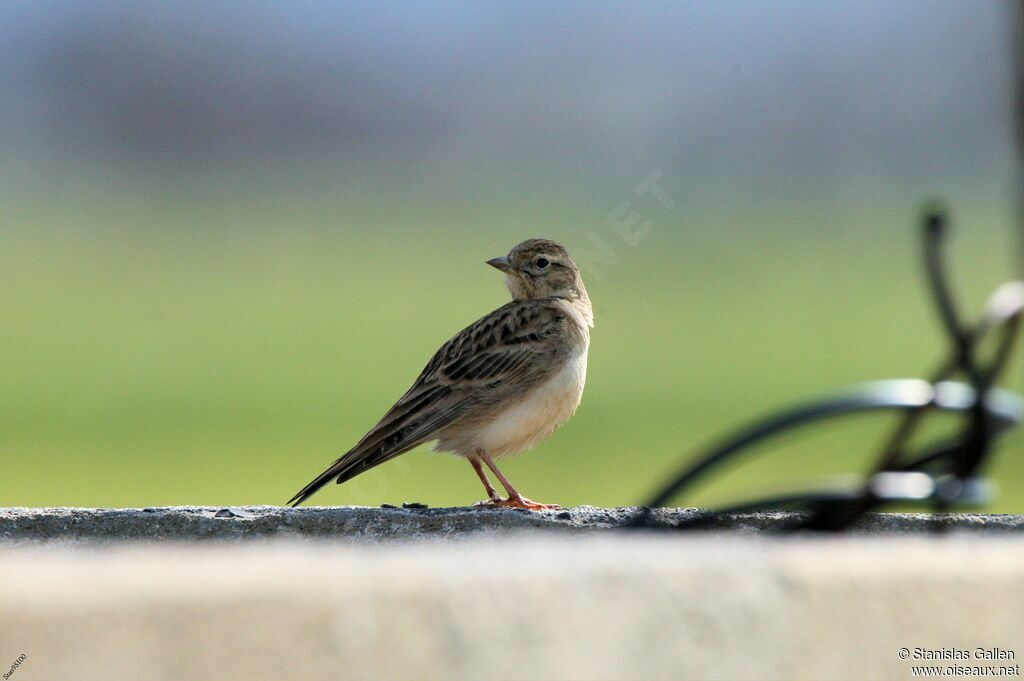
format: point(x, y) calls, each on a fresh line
point(499, 387)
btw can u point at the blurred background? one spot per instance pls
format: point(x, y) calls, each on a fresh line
point(231, 234)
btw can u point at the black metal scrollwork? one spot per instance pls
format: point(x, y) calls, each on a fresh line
point(939, 475)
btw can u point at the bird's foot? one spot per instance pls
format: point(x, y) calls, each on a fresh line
point(520, 502)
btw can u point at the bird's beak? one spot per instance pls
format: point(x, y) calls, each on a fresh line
point(502, 263)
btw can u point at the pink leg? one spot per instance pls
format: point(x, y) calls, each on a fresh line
point(492, 493)
point(515, 499)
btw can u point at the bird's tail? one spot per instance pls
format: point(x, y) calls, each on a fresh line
point(356, 461)
point(406, 425)
point(318, 482)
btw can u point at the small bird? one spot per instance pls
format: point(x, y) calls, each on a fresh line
point(500, 386)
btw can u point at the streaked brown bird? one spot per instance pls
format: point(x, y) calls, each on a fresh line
point(500, 386)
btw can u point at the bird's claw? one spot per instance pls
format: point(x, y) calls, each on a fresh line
point(519, 502)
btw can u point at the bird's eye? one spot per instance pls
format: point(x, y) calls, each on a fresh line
point(542, 263)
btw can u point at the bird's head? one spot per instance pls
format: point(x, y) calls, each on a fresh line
point(540, 268)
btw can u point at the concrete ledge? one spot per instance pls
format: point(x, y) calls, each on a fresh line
point(624, 606)
point(368, 593)
point(351, 522)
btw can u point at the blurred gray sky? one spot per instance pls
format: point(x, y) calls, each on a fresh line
point(721, 92)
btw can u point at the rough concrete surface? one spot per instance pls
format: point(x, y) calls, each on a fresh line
point(192, 522)
point(605, 606)
point(420, 594)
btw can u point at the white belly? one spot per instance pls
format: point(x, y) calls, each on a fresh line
point(534, 419)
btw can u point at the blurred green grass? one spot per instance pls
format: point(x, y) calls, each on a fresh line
point(204, 353)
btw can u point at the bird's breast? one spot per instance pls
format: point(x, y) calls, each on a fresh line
point(538, 414)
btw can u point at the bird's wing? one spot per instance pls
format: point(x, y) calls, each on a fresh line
point(501, 355)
